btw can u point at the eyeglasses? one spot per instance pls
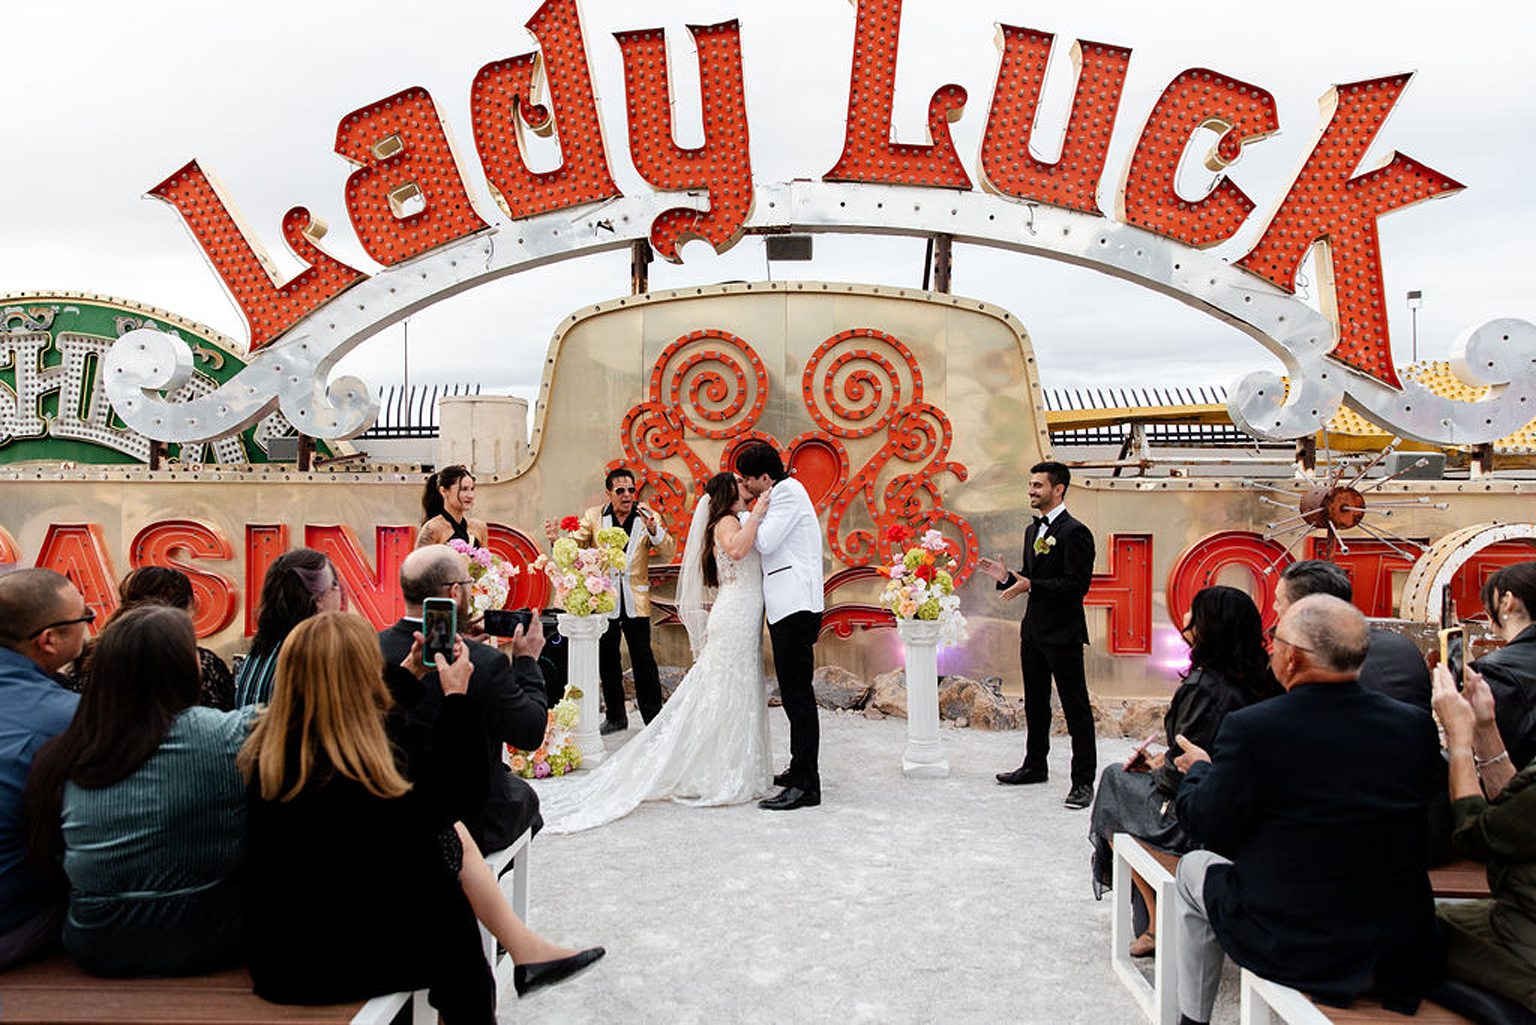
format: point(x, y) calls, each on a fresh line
point(1281, 640)
point(88, 617)
point(458, 583)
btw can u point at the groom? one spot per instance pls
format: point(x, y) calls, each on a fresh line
point(789, 539)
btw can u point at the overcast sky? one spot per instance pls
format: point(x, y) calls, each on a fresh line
point(105, 99)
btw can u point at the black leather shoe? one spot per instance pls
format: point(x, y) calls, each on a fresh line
point(1023, 774)
point(782, 779)
point(1080, 796)
point(790, 798)
point(529, 977)
point(609, 726)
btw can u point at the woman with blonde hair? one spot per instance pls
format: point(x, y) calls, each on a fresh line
point(362, 881)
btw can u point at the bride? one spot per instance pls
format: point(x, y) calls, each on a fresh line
point(709, 743)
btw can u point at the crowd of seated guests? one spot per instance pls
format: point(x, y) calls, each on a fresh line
point(1228, 670)
point(318, 834)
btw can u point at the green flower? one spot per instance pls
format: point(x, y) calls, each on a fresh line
point(564, 552)
point(944, 582)
point(612, 537)
point(913, 558)
point(928, 609)
point(603, 603)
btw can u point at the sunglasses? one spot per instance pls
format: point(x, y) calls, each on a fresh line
point(623, 491)
point(88, 617)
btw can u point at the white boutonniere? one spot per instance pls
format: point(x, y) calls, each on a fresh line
point(1045, 544)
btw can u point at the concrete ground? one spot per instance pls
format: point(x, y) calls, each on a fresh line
point(896, 901)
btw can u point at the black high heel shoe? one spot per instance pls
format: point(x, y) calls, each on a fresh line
point(529, 977)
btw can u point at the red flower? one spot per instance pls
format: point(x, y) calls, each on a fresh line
point(897, 534)
point(924, 572)
point(570, 523)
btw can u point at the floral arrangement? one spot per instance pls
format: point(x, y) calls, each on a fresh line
point(583, 576)
point(490, 578)
point(922, 585)
point(1044, 544)
point(559, 753)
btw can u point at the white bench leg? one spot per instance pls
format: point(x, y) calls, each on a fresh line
point(1165, 985)
point(421, 1011)
point(1159, 1000)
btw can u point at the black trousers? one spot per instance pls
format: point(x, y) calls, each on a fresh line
point(636, 631)
point(1040, 663)
point(794, 659)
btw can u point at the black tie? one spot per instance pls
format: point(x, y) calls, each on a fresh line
point(1040, 521)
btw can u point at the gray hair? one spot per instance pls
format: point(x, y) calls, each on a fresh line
point(1331, 629)
point(426, 571)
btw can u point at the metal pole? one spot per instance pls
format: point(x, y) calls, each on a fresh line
point(1415, 312)
point(406, 358)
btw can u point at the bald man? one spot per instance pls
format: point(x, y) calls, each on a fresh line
point(43, 623)
point(510, 693)
point(1311, 807)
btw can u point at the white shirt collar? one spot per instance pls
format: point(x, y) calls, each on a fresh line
point(1055, 514)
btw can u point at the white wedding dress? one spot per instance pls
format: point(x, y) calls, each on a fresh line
point(709, 743)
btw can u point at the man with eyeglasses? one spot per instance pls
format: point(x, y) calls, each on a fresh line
point(43, 624)
point(1311, 808)
point(510, 693)
point(631, 618)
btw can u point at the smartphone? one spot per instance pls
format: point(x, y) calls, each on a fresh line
point(439, 624)
point(504, 622)
point(1137, 760)
point(1447, 608)
point(1453, 652)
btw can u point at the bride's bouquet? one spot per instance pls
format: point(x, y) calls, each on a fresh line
point(558, 754)
point(582, 576)
point(921, 584)
point(490, 578)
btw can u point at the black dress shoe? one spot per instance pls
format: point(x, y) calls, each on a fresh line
point(609, 726)
point(790, 798)
point(529, 977)
point(1023, 774)
point(782, 779)
point(1080, 796)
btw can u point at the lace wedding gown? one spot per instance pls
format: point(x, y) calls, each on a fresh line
point(709, 743)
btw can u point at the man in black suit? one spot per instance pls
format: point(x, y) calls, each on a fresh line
point(510, 693)
point(1056, 574)
point(1311, 808)
point(1393, 664)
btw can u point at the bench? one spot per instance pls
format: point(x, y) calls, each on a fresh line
point(1261, 1002)
point(1463, 879)
point(54, 989)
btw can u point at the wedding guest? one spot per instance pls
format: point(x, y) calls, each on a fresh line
point(1490, 943)
point(649, 544)
point(43, 621)
point(1510, 598)
point(1310, 809)
point(1056, 572)
point(298, 584)
point(1394, 666)
point(446, 500)
point(361, 879)
point(509, 694)
point(1229, 669)
point(161, 585)
point(140, 802)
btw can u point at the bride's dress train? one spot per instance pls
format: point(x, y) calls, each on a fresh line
point(709, 743)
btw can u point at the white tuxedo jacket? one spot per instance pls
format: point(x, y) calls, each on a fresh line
point(789, 539)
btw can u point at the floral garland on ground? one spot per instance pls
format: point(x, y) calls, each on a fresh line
point(558, 754)
point(490, 578)
point(582, 577)
point(921, 585)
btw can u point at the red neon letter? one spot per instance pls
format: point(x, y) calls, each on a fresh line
point(1007, 166)
point(79, 551)
point(502, 106)
point(869, 155)
point(8, 554)
point(263, 544)
point(1201, 565)
point(374, 593)
point(1326, 204)
point(1126, 591)
point(1197, 98)
point(408, 196)
point(242, 264)
point(213, 594)
point(722, 167)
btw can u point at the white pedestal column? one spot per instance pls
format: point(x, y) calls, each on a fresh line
point(581, 669)
point(924, 757)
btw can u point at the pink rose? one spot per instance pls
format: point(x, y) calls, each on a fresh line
point(540, 770)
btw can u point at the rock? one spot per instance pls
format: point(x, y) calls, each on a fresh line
point(888, 695)
point(873, 713)
point(1138, 718)
point(969, 703)
point(838, 688)
point(670, 677)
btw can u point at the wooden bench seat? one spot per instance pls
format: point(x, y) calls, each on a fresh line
point(53, 989)
point(1463, 879)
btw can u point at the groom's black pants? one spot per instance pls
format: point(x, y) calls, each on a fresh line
point(794, 660)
